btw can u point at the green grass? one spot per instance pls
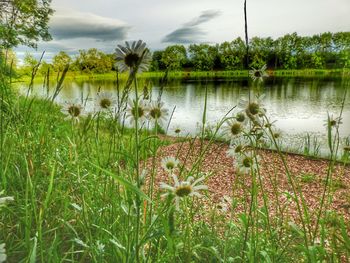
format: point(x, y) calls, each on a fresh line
point(79, 197)
point(199, 74)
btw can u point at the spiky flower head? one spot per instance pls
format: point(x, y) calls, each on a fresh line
point(182, 189)
point(333, 122)
point(246, 162)
point(104, 102)
point(258, 74)
point(236, 150)
point(241, 117)
point(138, 110)
point(73, 111)
point(133, 56)
point(233, 129)
point(157, 113)
point(346, 148)
point(177, 130)
point(224, 204)
point(170, 164)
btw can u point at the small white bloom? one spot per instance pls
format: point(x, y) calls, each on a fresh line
point(104, 102)
point(258, 74)
point(142, 110)
point(233, 129)
point(182, 189)
point(170, 163)
point(224, 204)
point(157, 113)
point(246, 162)
point(73, 111)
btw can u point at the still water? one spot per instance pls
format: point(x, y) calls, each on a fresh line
point(299, 105)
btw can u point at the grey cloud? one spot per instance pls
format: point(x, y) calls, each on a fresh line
point(190, 32)
point(72, 25)
point(204, 17)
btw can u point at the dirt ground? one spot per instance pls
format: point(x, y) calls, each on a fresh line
point(309, 174)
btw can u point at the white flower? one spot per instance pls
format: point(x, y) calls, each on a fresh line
point(236, 150)
point(133, 56)
point(258, 74)
point(183, 189)
point(254, 109)
point(2, 253)
point(177, 130)
point(241, 117)
point(170, 163)
point(224, 204)
point(104, 102)
point(157, 113)
point(233, 129)
point(73, 111)
point(246, 162)
point(131, 111)
point(333, 122)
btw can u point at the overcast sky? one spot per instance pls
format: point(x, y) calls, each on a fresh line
point(83, 24)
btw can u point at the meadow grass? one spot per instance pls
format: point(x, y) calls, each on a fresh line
point(81, 194)
point(72, 75)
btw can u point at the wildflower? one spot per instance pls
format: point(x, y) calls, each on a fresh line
point(333, 122)
point(233, 129)
point(241, 117)
point(169, 164)
point(2, 253)
point(252, 107)
point(104, 102)
point(183, 189)
point(73, 111)
point(224, 204)
point(245, 163)
point(133, 56)
point(236, 150)
point(177, 130)
point(141, 110)
point(157, 113)
point(258, 74)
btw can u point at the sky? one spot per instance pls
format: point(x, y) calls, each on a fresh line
point(83, 24)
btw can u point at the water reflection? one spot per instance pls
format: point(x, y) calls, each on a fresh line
point(298, 104)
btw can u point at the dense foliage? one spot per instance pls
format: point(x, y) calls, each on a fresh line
point(324, 51)
point(24, 22)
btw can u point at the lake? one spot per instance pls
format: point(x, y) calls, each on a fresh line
point(299, 105)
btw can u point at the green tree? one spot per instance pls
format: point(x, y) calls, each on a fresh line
point(203, 56)
point(94, 61)
point(60, 61)
point(174, 57)
point(24, 22)
point(232, 54)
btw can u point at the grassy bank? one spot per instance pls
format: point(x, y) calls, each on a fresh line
point(201, 75)
point(81, 193)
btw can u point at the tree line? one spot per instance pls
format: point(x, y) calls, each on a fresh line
point(291, 51)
